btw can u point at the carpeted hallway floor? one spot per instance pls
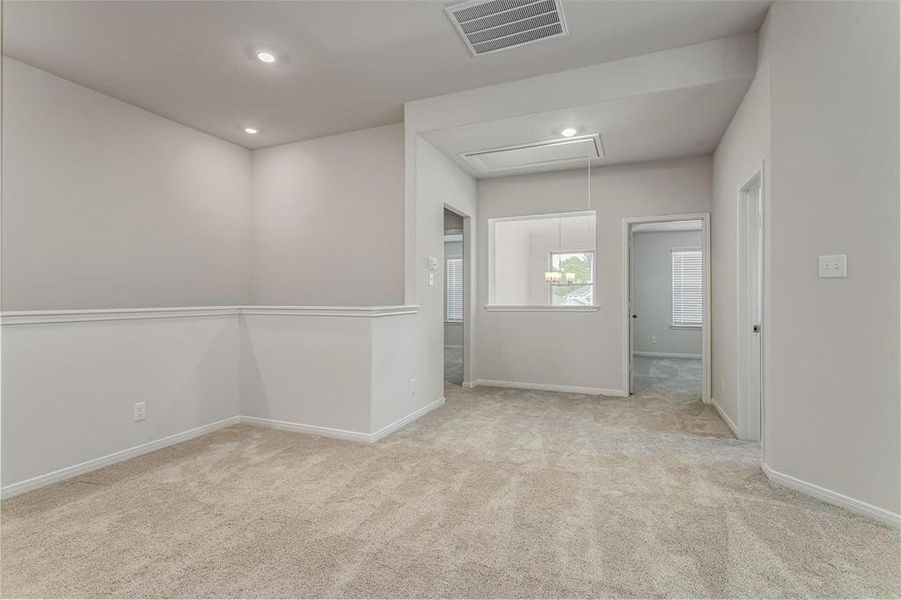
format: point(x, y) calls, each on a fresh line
point(499, 493)
point(672, 378)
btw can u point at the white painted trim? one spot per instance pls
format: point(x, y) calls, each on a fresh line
point(331, 311)
point(404, 421)
point(104, 461)
point(664, 354)
point(470, 385)
point(33, 317)
point(135, 451)
point(853, 505)
point(745, 408)
point(454, 346)
point(628, 222)
point(546, 387)
point(342, 434)
point(540, 308)
point(329, 432)
point(725, 417)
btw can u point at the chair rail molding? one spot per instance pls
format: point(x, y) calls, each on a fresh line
point(34, 317)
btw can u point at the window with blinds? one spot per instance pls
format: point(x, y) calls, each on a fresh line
point(687, 287)
point(454, 289)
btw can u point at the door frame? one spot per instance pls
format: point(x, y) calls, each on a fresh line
point(628, 223)
point(746, 421)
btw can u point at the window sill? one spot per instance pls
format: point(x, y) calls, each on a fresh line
point(540, 308)
point(686, 327)
point(446, 322)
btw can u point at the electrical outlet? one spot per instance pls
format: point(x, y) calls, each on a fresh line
point(653, 339)
point(412, 386)
point(140, 409)
point(835, 265)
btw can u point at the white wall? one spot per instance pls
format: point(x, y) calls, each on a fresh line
point(739, 156)
point(68, 388)
point(328, 220)
point(310, 370)
point(108, 206)
point(580, 349)
point(652, 293)
point(441, 183)
point(823, 113)
point(833, 406)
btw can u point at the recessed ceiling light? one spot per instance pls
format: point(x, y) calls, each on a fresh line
point(568, 132)
point(266, 57)
point(251, 130)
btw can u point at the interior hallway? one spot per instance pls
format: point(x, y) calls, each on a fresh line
point(499, 493)
point(678, 379)
point(453, 364)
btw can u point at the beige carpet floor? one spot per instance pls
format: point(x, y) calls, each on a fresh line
point(499, 493)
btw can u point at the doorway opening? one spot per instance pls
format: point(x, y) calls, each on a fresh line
point(666, 321)
point(750, 308)
point(455, 290)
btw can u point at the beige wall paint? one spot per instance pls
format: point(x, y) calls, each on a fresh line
point(108, 206)
point(441, 183)
point(328, 220)
point(581, 349)
point(832, 367)
point(652, 286)
point(740, 155)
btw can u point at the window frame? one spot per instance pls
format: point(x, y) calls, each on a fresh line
point(684, 325)
point(591, 282)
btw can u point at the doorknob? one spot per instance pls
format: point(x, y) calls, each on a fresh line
point(756, 328)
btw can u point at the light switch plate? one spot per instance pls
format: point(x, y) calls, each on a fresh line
point(834, 265)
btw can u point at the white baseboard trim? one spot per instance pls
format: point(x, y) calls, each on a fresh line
point(343, 434)
point(546, 387)
point(665, 354)
point(469, 385)
point(34, 483)
point(329, 432)
point(820, 493)
point(725, 417)
point(404, 421)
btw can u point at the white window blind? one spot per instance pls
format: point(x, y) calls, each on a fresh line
point(687, 287)
point(454, 289)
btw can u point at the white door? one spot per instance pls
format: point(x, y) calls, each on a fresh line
point(750, 305)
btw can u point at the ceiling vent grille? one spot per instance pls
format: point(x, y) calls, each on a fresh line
point(495, 25)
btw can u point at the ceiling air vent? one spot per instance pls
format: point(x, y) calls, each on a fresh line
point(550, 154)
point(495, 25)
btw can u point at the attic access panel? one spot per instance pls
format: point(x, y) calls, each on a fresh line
point(495, 25)
point(537, 154)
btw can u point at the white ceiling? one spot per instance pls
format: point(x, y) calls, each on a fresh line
point(669, 124)
point(345, 65)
